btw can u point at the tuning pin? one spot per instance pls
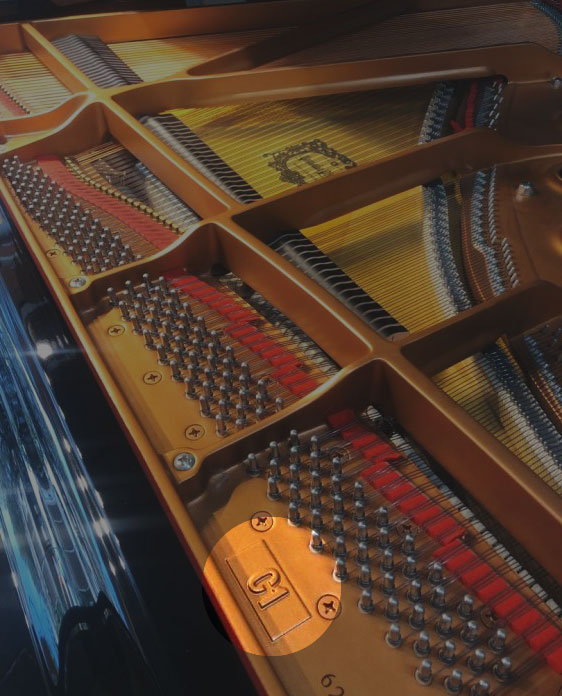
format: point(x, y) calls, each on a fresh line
point(274, 449)
point(294, 438)
point(316, 544)
point(447, 652)
point(362, 533)
point(453, 683)
point(497, 641)
point(466, 607)
point(273, 489)
point(502, 669)
point(366, 604)
point(481, 688)
point(208, 390)
point(444, 625)
point(279, 404)
point(422, 644)
point(314, 461)
point(294, 514)
point(358, 492)
point(336, 484)
point(262, 389)
point(314, 445)
point(414, 592)
point(260, 413)
point(253, 468)
point(294, 456)
point(340, 570)
point(294, 493)
point(112, 297)
point(190, 390)
point(387, 560)
point(176, 372)
point(476, 661)
point(245, 371)
point(294, 473)
point(435, 573)
point(393, 636)
point(359, 515)
point(148, 340)
point(388, 586)
point(417, 617)
point(204, 406)
point(409, 545)
point(337, 522)
point(469, 633)
point(315, 497)
point(315, 480)
point(338, 508)
point(382, 516)
point(383, 538)
point(340, 549)
point(392, 609)
point(336, 466)
point(362, 552)
point(423, 673)
point(124, 309)
point(438, 597)
point(409, 569)
point(317, 522)
point(365, 579)
point(221, 428)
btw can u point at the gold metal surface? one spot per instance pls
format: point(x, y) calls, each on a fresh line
point(272, 593)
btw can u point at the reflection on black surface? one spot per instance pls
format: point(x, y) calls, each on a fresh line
point(178, 645)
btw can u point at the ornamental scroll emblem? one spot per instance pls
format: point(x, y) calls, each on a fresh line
point(308, 161)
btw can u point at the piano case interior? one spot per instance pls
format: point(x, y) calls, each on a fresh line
point(312, 252)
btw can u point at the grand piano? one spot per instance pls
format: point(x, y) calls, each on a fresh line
point(281, 350)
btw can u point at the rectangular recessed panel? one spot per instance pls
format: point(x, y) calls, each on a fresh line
point(258, 150)
point(155, 59)
point(27, 87)
point(269, 591)
point(491, 387)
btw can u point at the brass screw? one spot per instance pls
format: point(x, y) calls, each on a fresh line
point(328, 606)
point(152, 377)
point(52, 252)
point(194, 432)
point(116, 330)
point(261, 521)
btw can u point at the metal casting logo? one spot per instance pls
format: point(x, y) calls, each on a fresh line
point(308, 161)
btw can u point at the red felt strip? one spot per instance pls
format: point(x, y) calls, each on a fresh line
point(303, 388)
point(337, 420)
point(10, 105)
point(140, 223)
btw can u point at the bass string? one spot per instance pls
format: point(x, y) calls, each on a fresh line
point(154, 59)
point(277, 145)
point(423, 32)
point(27, 80)
point(483, 396)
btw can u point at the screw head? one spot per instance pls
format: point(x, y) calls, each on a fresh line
point(52, 252)
point(261, 521)
point(194, 431)
point(526, 189)
point(152, 377)
point(116, 330)
point(184, 461)
point(328, 606)
point(77, 282)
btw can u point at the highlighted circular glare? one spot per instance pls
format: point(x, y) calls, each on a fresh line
point(280, 592)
